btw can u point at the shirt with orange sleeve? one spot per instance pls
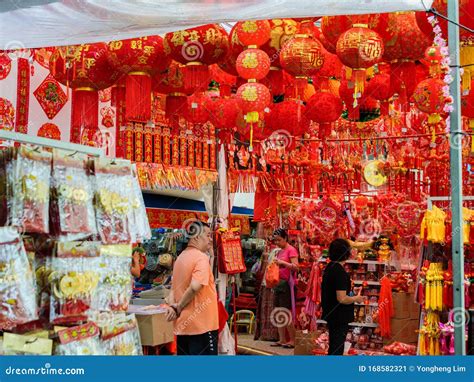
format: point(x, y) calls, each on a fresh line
point(200, 315)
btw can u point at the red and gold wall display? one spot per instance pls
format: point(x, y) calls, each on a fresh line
point(164, 218)
point(50, 96)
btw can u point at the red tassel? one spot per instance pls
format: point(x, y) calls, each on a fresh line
point(196, 76)
point(85, 112)
point(138, 97)
point(118, 100)
point(175, 104)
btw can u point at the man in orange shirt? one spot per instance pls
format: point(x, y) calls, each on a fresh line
point(193, 298)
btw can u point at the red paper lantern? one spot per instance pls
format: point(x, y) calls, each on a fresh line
point(223, 112)
point(85, 68)
point(332, 67)
point(379, 87)
point(360, 48)
point(429, 98)
point(282, 30)
point(253, 64)
point(403, 40)
point(253, 97)
point(324, 108)
point(197, 110)
point(197, 48)
point(302, 56)
point(289, 116)
point(253, 32)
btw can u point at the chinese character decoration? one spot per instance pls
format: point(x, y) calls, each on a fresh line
point(86, 69)
point(197, 48)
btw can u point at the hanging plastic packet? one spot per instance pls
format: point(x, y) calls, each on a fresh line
point(139, 225)
point(120, 336)
point(73, 209)
point(113, 188)
point(114, 290)
point(30, 176)
point(80, 340)
point(74, 279)
point(17, 281)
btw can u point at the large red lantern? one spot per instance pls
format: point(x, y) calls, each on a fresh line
point(253, 64)
point(86, 69)
point(138, 58)
point(429, 98)
point(196, 48)
point(290, 116)
point(282, 30)
point(253, 32)
point(302, 56)
point(324, 108)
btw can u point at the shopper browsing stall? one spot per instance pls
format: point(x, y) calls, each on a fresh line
point(193, 299)
point(337, 304)
point(287, 260)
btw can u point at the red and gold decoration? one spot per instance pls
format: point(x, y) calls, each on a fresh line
point(429, 98)
point(324, 108)
point(7, 115)
point(197, 48)
point(379, 87)
point(289, 115)
point(50, 96)
point(253, 32)
point(86, 69)
point(42, 56)
point(23, 96)
point(165, 218)
point(49, 130)
point(253, 63)
point(5, 65)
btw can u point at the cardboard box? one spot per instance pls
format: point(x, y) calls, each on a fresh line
point(305, 342)
point(405, 306)
point(404, 330)
point(155, 329)
point(26, 344)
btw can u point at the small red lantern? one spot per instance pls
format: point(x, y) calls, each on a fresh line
point(290, 116)
point(253, 64)
point(433, 58)
point(223, 112)
point(253, 32)
point(379, 87)
point(253, 98)
point(197, 109)
point(429, 98)
point(87, 69)
point(196, 48)
point(324, 108)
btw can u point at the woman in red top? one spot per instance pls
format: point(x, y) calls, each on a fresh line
point(281, 316)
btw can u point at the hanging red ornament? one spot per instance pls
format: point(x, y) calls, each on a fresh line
point(429, 98)
point(332, 68)
point(288, 116)
point(197, 48)
point(253, 64)
point(346, 93)
point(197, 110)
point(324, 108)
point(433, 58)
point(281, 31)
point(379, 87)
point(223, 112)
point(86, 69)
point(253, 32)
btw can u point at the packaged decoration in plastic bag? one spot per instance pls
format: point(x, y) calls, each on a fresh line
point(28, 183)
point(115, 284)
point(73, 209)
point(17, 282)
point(139, 225)
point(80, 340)
point(113, 188)
point(74, 279)
point(120, 336)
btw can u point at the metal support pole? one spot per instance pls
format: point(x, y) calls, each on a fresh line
point(456, 182)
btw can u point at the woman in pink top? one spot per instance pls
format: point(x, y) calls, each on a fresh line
point(287, 260)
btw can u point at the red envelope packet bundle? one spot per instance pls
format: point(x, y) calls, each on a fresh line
point(72, 208)
point(28, 176)
point(17, 281)
point(120, 336)
point(113, 188)
point(114, 289)
point(80, 340)
point(74, 279)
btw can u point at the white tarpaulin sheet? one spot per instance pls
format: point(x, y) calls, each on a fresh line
point(38, 23)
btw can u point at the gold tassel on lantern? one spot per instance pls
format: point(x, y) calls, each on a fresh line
point(359, 83)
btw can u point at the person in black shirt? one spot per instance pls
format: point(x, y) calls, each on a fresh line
point(338, 306)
